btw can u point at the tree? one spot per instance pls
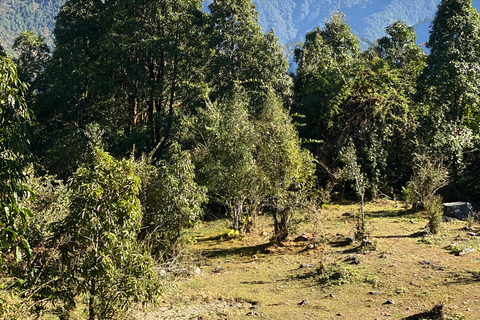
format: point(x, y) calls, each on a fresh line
point(171, 201)
point(243, 54)
point(225, 155)
point(133, 67)
point(99, 254)
point(344, 96)
point(286, 169)
point(449, 85)
point(15, 133)
point(399, 50)
point(33, 55)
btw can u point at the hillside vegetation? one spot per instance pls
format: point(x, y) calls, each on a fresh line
point(27, 15)
point(149, 118)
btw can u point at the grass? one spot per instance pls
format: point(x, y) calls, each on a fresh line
point(409, 267)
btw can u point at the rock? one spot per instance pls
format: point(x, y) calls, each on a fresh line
point(459, 210)
point(471, 234)
point(197, 271)
point(348, 214)
point(302, 237)
point(254, 257)
point(350, 240)
point(465, 251)
point(304, 302)
point(310, 246)
point(389, 301)
point(255, 313)
point(162, 273)
point(352, 259)
point(448, 219)
point(374, 292)
point(307, 265)
point(219, 269)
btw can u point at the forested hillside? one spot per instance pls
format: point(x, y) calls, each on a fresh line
point(291, 19)
point(27, 15)
point(148, 116)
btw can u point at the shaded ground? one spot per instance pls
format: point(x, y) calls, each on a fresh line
point(258, 280)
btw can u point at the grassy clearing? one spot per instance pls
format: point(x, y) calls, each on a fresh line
point(414, 270)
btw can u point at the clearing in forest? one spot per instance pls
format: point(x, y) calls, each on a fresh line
point(405, 277)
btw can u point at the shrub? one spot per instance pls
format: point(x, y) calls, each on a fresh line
point(336, 273)
point(433, 206)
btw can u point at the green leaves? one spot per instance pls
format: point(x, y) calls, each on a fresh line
point(15, 129)
point(98, 237)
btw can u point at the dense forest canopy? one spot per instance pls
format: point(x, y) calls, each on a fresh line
point(150, 114)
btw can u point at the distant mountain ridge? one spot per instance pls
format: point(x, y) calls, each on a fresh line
point(290, 19)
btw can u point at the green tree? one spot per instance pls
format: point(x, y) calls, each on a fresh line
point(399, 49)
point(15, 133)
point(225, 154)
point(286, 169)
point(33, 55)
point(345, 95)
point(243, 55)
point(171, 201)
point(99, 254)
point(133, 67)
point(449, 84)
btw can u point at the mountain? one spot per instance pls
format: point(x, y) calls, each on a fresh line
point(21, 15)
point(290, 19)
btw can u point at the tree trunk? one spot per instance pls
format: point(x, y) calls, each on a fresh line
point(91, 302)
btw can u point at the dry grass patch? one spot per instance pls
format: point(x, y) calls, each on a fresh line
point(336, 279)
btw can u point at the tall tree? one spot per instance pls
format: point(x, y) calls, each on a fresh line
point(243, 54)
point(130, 66)
point(98, 249)
point(449, 84)
point(33, 55)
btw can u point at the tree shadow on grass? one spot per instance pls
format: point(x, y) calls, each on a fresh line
point(436, 313)
point(464, 279)
point(396, 213)
point(242, 251)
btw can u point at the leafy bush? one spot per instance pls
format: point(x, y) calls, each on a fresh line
point(99, 254)
point(171, 200)
point(433, 206)
point(336, 273)
point(428, 177)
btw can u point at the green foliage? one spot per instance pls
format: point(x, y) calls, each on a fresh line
point(171, 201)
point(348, 96)
point(434, 208)
point(428, 177)
point(33, 55)
point(336, 273)
point(99, 255)
point(243, 55)
point(287, 169)
point(225, 155)
point(15, 132)
point(449, 84)
point(353, 171)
